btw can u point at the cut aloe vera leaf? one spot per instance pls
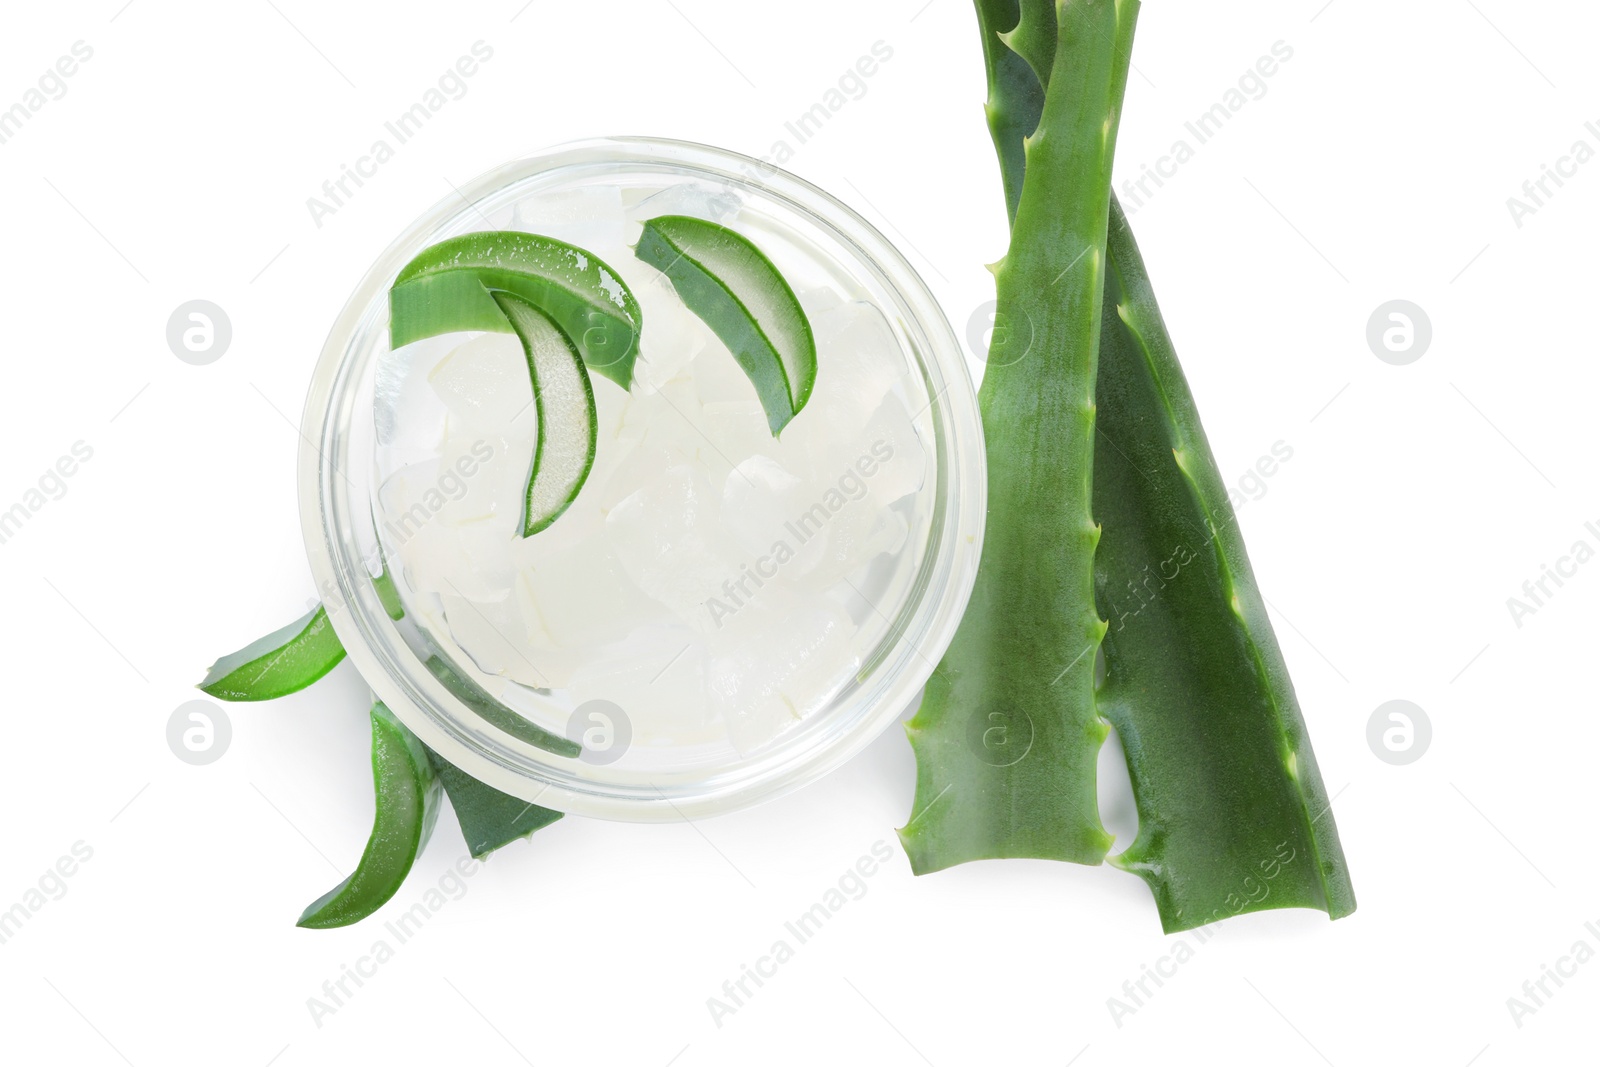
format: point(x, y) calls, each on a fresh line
point(1199, 694)
point(564, 400)
point(489, 818)
point(1007, 736)
point(1233, 814)
point(491, 711)
point(448, 287)
point(742, 297)
point(283, 662)
point(407, 806)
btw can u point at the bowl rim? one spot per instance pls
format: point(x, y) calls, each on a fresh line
point(420, 701)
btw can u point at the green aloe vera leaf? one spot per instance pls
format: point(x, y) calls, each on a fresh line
point(283, 662)
point(1200, 696)
point(568, 429)
point(1007, 736)
point(1233, 814)
point(489, 818)
point(406, 808)
point(736, 291)
point(448, 287)
point(496, 714)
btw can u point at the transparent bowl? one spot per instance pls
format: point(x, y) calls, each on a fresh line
point(338, 500)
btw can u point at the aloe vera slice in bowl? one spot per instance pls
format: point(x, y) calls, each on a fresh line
point(489, 818)
point(447, 287)
point(407, 807)
point(283, 662)
point(734, 288)
point(564, 400)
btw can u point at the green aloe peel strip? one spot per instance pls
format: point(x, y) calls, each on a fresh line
point(406, 808)
point(283, 662)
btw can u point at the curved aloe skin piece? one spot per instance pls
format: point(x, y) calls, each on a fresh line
point(448, 287)
point(1020, 671)
point(283, 662)
point(735, 290)
point(406, 810)
point(491, 711)
point(1195, 683)
point(568, 427)
point(489, 818)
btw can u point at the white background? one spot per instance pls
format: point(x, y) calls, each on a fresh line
point(1419, 498)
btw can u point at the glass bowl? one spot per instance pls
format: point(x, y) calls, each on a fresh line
point(656, 774)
